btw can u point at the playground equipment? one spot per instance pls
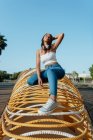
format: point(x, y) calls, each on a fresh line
point(20, 120)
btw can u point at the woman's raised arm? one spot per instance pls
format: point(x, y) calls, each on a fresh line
point(58, 39)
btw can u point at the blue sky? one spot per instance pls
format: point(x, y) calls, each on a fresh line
point(24, 22)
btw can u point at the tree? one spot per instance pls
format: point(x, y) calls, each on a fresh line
point(91, 71)
point(84, 76)
point(2, 43)
point(3, 75)
point(15, 75)
point(75, 75)
point(6, 76)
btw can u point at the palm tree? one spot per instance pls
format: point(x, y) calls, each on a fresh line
point(75, 75)
point(2, 43)
point(91, 72)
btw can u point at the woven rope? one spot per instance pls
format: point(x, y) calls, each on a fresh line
point(20, 120)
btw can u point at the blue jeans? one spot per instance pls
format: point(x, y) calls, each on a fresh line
point(51, 74)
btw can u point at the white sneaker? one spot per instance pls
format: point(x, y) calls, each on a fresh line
point(48, 107)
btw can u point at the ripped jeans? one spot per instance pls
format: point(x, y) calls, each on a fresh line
point(51, 74)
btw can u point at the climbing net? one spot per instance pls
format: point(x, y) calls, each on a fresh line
point(21, 121)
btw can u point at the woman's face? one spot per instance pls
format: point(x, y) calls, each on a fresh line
point(47, 38)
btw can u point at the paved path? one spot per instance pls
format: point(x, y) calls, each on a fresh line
point(87, 95)
point(5, 93)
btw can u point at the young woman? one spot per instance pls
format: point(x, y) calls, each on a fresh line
point(53, 70)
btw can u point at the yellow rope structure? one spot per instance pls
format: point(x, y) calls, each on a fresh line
point(21, 121)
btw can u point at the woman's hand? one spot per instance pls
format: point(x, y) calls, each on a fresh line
point(40, 81)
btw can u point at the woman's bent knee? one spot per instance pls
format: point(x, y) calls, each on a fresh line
point(62, 73)
point(33, 80)
point(30, 81)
